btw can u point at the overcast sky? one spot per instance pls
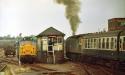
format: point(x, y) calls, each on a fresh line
point(34, 16)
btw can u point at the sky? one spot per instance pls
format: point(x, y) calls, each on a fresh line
point(31, 17)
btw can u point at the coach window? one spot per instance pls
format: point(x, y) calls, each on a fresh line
point(103, 43)
point(99, 43)
point(91, 43)
point(94, 42)
point(112, 43)
point(88, 43)
point(89, 46)
point(120, 43)
point(107, 43)
point(115, 42)
point(123, 43)
point(85, 43)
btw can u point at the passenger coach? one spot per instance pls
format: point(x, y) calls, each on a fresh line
point(102, 45)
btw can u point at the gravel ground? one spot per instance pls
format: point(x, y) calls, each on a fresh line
point(74, 68)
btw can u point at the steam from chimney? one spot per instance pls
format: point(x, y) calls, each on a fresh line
point(72, 13)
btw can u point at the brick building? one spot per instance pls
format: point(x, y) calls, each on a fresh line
point(116, 24)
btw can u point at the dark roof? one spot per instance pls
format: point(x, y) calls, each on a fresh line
point(98, 34)
point(51, 31)
point(117, 19)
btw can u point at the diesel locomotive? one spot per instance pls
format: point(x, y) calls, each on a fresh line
point(27, 50)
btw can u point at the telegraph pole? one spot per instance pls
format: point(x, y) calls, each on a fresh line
point(20, 35)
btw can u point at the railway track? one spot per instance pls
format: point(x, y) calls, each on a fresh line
point(96, 70)
point(45, 71)
point(86, 70)
point(36, 68)
point(2, 67)
point(103, 69)
point(8, 60)
point(39, 69)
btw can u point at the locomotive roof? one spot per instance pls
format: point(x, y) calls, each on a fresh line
point(50, 32)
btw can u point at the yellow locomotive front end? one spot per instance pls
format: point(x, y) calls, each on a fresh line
point(27, 50)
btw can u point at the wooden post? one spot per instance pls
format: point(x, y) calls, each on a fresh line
point(57, 43)
point(53, 56)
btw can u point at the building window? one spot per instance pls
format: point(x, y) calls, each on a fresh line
point(122, 23)
point(55, 39)
point(60, 40)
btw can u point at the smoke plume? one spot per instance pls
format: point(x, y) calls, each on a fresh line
point(72, 13)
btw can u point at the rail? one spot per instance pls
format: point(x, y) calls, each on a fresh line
point(95, 69)
point(2, 67)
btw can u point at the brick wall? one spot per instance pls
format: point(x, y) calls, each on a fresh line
point(116, 24)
